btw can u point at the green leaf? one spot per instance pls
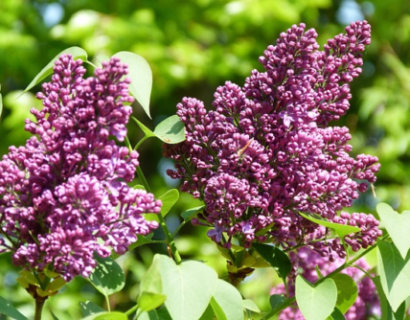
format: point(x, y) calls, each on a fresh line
point(148, 133)
point(148, 301)
point(397, 225)
point(394, 273)
point(277, 303)
point(337, 315)
point(316, 302)
point(89, 308)
point(187, 215)
point(108, 276)
point(1, 104)
point(161, 314)
point(340, 229)
point(227, 302)
point(171, 130)
point(168, 199)
point(387, 312)
point(7, 309)
point(76, 52)
point(251, 306)
point(346, 291)
point(107, 316)
point(141, 78)
point(208, 314)
point(188, 286)
point(53, 316)
point(275, 257)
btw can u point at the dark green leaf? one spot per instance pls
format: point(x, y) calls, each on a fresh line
point(76, 52)
point(208, 314)
point(315, 302)
point(89, 308)
point(394, 273)
point(277, 302)
point(275, 257)
point(108, 276)
point(340, 229)
point(337, 315)
point(160, 314)
point(7, 309)
point(190, 213)
point(141, 78)
point(227, 302)
point(346, 291)
point(168, 199)
point(397, 225)
point(53, 316)
point(171, 130)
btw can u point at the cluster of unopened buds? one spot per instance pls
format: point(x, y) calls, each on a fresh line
point(267, 151)
point(64, 195)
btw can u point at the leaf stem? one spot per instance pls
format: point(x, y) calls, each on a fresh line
point(107, 301)
point(132, 310)
point(39, 308)
point(168, 235)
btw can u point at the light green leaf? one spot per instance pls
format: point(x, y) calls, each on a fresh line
point(76, 52)
point(161, 314)
point(148, 301)
point(227, 302)
point(108, 276)
point(107, 316)
point(188, 286)
point(387, 312)
point(148, 133)
point(7, 309)
point(397, 225)
point(316, 302)
point(168, 199)
point(171, 130)
point(89, 308)
point(1, 104)
point(54, 316)
point(251, 306)
point(187, 215)
point(340, 229)
point(275, 257)
point(346, 291)
point(141, 78)
point(394, 273)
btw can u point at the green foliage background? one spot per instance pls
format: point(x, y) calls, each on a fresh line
point(192, 47)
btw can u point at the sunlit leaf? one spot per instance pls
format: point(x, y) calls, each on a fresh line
point(251, 306)
point(168, 199)
point(148, 133)
point(397, 225)
point(171, 130)
point(107, 316)
point(227, 302)
point(387, 311)
point(346, 291)
point(108, 276)
point(141, 78)
point(316, 302)
point(76, 52)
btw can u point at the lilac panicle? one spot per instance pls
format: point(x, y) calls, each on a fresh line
point(63, 196)
point(266, 151)
point(306, 261)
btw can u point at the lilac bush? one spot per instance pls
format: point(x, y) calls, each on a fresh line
point(267, 151)
point(64, 195)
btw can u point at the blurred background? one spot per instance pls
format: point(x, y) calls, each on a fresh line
point(192, 48)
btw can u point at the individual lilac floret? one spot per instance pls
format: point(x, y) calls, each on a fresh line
point(306, 261)
point(63, 196)
point(272, 138)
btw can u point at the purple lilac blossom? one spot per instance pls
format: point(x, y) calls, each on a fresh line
point(305, 261)
point(267, 152)
point(64, 195)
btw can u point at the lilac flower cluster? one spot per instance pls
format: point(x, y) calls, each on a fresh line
point(63, 196)
point(305, 261)
point(267, 151)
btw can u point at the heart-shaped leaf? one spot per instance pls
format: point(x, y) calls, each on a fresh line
point(89, 308)
point(141, 78)
point(7, 309)
point(168, 199)
point(346, 291)
point(171, 130)
point(316, 302)
point(188, 286)
point(251, 306)
point(76, 52)
point(108, 276)
point(387, 312)
point(397, 225)
point(276, 258)
point(341, 230)
point(394, 273)
point(227, 302)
